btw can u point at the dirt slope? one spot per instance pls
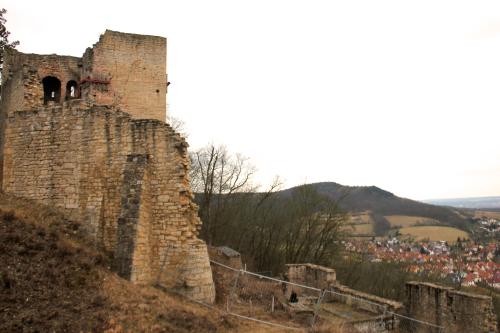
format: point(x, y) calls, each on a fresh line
point(52, 280)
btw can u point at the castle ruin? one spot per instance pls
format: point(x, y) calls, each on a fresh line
point(89, 135)
point(456, 311)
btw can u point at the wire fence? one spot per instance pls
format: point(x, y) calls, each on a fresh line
point(291, 306)
point(275, 301)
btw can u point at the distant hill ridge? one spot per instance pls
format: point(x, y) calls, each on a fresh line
point(382, 202)
point(472, 202)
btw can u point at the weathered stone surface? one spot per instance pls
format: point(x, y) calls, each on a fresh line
point(363, 301)
point(310, 275)
point(325, 278)
point(186, 268)
point(135, 67)
point(127, 71)
point(455, 310)
point(125, 176)
point(223, 277)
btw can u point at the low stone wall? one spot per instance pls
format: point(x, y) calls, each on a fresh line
point(309, 275)
point(379, 324)
point(456, 311)
point(361, 300)
point(325, 278)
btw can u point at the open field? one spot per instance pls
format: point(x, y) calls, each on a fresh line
point(363, 229)
point(487, 214)
point(448, 234)
point(361, 218)
point(407, 221)
point(361, 224)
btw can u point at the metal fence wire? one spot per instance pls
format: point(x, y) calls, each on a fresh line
point(297, 307)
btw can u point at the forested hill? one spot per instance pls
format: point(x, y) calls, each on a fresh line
point(381, 202)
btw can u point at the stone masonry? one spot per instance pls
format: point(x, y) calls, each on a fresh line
point(89, 135)
point(325, 278)
point(456, 311)
point(309, 275)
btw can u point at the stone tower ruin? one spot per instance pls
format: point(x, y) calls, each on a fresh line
point(89, 135)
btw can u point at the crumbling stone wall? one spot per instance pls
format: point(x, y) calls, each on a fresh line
point(123, 175)
point(224, 277)
point(455, 310)
point(124, 70)
point(363, 301)
point(127, 179)
point(310, 275)
point(325, 278)
point(127, 70)
point(23, 75)
point(184, 269)
point(226, 256)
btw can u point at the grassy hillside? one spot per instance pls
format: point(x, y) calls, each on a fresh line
point(53, 280)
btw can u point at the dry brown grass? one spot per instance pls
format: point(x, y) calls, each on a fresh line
point(360, 224)
point(361, 218)
point(408, 221)
point(435, 233)
point(363, 229)
point(52, 280)
point(486, 214)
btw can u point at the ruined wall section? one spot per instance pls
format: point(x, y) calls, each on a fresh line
point(361, 300)
point(325, 278)
point(12, 95)
point(71, 158)
point(456, 311)
point(128, 71)
point(22, 77)
point(25, 73)
point(184, 270)
point(78, 158)
point(311, 275)
point(12, 82)
point(133, 227)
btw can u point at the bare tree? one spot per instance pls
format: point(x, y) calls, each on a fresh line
point(215, 175)
point(269, 228)
point(315, 226)
point(178, 125)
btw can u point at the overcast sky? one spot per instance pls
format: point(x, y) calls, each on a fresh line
point(404, 95)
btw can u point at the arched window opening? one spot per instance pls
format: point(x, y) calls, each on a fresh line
point(71, 89)
point(51, 89)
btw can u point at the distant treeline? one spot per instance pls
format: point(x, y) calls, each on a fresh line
point(271, 231)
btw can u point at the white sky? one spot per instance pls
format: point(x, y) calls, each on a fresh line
point(399, 94)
